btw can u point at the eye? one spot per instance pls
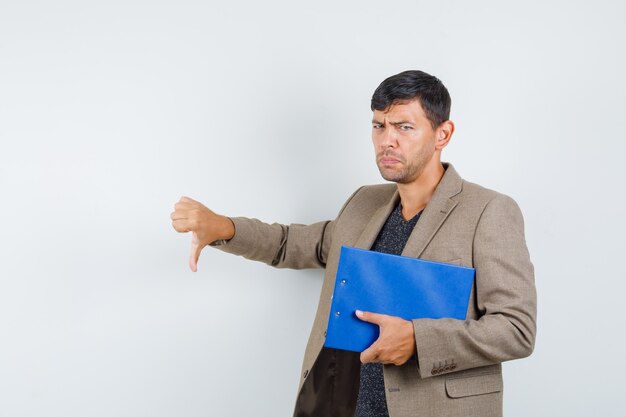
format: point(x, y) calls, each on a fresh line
point(406, 127)
point(377, 126)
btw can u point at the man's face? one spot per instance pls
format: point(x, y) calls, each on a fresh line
point(404, 141)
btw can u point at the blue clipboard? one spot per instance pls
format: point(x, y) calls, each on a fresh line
point(377, 282)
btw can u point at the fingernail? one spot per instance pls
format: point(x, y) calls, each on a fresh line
point(359, 313)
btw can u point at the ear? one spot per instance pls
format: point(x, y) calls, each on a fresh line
point(444, 134)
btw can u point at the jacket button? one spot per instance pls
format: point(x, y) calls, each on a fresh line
point(306, 372)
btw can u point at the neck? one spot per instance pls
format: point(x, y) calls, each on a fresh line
point(416, 194)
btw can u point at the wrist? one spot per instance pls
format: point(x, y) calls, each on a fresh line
point(227, 229)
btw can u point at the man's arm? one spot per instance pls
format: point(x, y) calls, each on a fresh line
point(505, 299)
point(307, 246)
point(293, 246)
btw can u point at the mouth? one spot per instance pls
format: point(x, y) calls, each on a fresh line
point(388, 160)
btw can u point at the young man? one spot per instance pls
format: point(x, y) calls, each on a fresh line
point(422, 367)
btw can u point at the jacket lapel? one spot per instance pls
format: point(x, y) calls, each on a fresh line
point(435, 213)
point(370, 233)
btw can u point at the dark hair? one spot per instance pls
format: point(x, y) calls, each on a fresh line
point(415, 85)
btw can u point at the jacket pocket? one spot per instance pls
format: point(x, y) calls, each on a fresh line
point(474, 385)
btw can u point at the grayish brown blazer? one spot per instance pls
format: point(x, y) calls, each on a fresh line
point(457, 371)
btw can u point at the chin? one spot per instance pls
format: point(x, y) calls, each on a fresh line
point(399, 177)
point(393, 177)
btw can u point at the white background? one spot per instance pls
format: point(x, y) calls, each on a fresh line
point(110, 111)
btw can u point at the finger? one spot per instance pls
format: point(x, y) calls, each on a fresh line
point(182, 225)
point(195, 253)
point(369, 354)
point(185, 206)
point(178, 215)
point(185, 199)
point(369, 317)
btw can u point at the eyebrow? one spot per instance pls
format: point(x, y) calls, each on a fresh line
point(402, 122)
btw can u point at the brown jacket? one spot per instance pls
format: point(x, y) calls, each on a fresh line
point(457, 371)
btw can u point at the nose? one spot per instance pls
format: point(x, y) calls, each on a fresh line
point(388, 138)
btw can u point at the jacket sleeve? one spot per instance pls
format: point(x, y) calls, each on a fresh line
point(504, 294)
point(293, 246)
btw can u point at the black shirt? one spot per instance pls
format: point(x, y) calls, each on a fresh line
point(392, 238)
